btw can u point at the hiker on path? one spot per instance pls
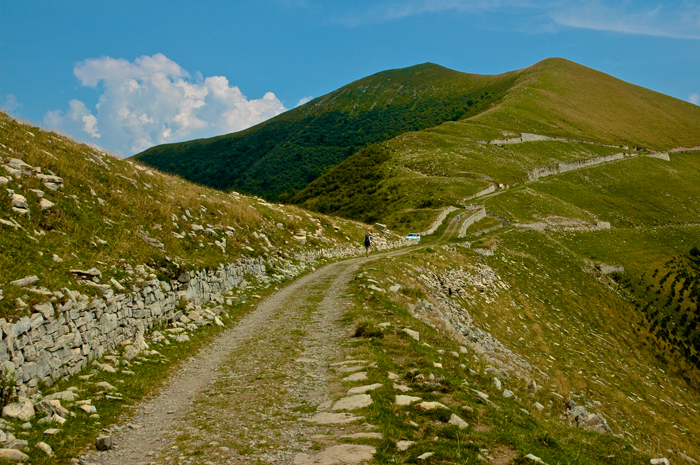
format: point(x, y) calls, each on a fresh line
point(368, 244)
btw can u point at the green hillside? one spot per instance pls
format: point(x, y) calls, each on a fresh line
point(557, 97)
point(575, 113)
point(285, 153)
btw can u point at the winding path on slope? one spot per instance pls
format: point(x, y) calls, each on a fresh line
point(244, 397)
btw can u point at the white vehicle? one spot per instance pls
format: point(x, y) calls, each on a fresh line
point(413, 237)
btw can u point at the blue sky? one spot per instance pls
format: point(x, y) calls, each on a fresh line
point(127, 74)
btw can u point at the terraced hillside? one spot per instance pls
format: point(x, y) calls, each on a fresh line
point(556, 112)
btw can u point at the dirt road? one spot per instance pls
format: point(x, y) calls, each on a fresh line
point(246, 397)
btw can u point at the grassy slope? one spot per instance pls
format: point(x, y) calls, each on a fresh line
point(98, 213)
point(560, 98)
point(573, 328)
point(286, 152)
point(652, 206)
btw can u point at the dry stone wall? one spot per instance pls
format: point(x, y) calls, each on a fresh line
point(60, 339)
point(489, 190)
point(479, 215)
point(539, 173)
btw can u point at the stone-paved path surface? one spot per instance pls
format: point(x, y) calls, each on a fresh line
point(248, 397)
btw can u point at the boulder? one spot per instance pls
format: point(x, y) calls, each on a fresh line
point(361, 376)
point(68, 396)
point(130, 352)
point(104, 443)
point(52, 407)
point(430, 405)
point(13, 455)
point(353, 402)
point(89, 274)
point(413, 334)
point(455, 420)
point(45, 204)
point(45, 448)
point(19, 201)
point(363, 389)
point(406, 400)
point(404, 445)
point(140, 342)
point(46, 309)
point(497, 383)
point(340, 454)
point(105, 386)
point(26, 281)
point(22, 410)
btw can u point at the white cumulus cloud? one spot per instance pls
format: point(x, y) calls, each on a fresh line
point(78, 120)
point(11, 104)
point(694, 98)
point(153, 100)
point(304, 100)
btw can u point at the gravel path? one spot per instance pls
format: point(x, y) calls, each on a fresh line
point(246, 397)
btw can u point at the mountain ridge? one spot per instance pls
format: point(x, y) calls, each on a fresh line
point(554, 97)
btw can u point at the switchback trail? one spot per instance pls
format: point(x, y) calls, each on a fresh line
point(245, 398)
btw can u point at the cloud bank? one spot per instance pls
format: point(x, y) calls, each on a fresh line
point(153, 100)
point(694, 98)
point(660, 20)
point(679, 20)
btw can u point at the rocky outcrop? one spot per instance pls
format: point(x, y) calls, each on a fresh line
point(578, 415)
point(448, 314)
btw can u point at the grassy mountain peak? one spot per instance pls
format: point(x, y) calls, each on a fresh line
point(558, 97)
